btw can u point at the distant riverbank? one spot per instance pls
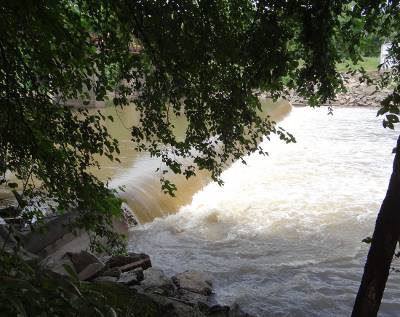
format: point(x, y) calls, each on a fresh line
point(358, 94)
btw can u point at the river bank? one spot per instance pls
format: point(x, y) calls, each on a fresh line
point(128, 283)
point(357, 94)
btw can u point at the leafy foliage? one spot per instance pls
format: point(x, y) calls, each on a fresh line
point(379, 19)
point(26, 289)
point(48, 55)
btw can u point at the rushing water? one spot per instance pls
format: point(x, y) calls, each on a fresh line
point(283, 236)
point(141, 182)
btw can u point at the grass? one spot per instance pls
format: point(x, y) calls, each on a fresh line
point(370, 64)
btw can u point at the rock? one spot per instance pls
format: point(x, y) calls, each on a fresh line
point(155, 278)
point(223, 311)
point(235, 311)
point(70, 242)
point(129, 215)
point(143, 264)
point(55, 228)
point(155, 281)
point(215, 310)
point(182, 304)
point(120, 260)
point(356, 94)
point(58, 265)
point(82, 260)
point(181, 308)
point(197, 282)
point(112, 272)
point(128, 302)
point(139, 274)
point(131, 277)
point(173, 307)
point(194, 298)
point(6, 237)
point(370, 90)
point(129, 262)
point(9, 243)
point(57, 235)
point(91, 271)
point(106, 279)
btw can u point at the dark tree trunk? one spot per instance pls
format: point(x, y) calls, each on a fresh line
point(384, 240)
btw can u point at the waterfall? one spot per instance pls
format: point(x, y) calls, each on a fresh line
point(142, 187)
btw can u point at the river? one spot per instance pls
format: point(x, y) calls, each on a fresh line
point(283, 236)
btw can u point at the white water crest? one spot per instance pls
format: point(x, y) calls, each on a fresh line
point(142, 188)
point(283, 236)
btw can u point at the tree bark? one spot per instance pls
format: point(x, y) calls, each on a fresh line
point(383, 246)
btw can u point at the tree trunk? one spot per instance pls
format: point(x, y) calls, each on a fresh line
point(384, 240)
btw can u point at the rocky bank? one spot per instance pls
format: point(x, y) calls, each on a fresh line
point(186, 294)
point(358, 94)
point(129, 282)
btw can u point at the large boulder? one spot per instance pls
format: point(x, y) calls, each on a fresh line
point(131, 277)
point(193, 281)
point(129, 262)
point(112, 272)
point(91, 271)
point(84, 264)
point(9, 244)
point(155, 278)
point(127, 302)
point(108, 279)
point(155, 281)
point(62, 266)
point(82, 260)
point(56, 229)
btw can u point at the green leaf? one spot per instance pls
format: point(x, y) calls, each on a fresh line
point(367, 240)
point(15, 301)
point(392, 118)
point(110, 312)
point(21, 201)
point(71, 272)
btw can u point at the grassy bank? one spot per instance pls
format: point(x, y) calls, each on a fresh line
point(368, 63)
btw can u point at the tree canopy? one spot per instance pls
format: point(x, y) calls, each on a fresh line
point(203, 60)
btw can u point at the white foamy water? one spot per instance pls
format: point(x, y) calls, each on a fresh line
point(283, 236)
